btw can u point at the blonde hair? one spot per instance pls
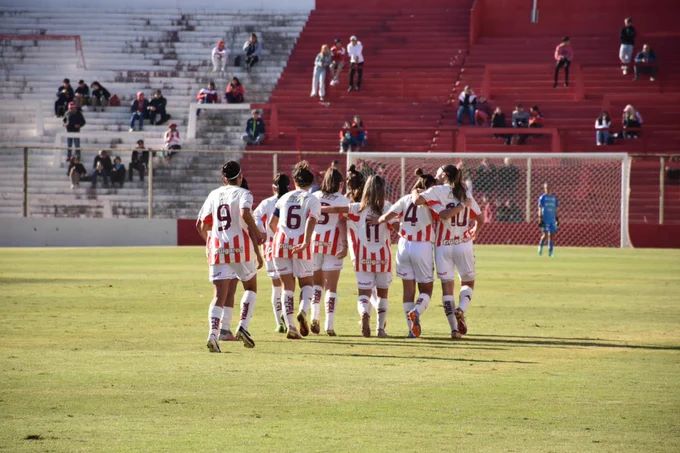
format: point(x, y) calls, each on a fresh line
point(374, 195)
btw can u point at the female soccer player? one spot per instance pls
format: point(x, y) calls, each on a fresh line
point(547, 219)
point(415, 256)
point(293, 222)
point(227, 226)
point(263, 213)
point(453, 252)
point(330, 248)
point(370, 251)
point(355, 184)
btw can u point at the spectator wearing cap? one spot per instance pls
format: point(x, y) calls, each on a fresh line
point(339, 57)
point(356, 63)
point(82, 94)
point(156, 108)
point(73, 122)
point(255, 129)
point(235, 92)
point(219, 56)
point(171, 141)
point(64, 96)
point(138, 109)
point(139, 161)
point(100, 96)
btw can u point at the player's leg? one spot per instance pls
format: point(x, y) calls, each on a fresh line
point(365, 284)
point(465, 263)
point(383, 280)
point(331, 277)
point(284, 268)
point(227, 314)
point(304, 271)
point(277, 309)
point(551, 240)
point(446, 272)
point(422, 261)
point(221, 289)
point(405, 272)
point(541, 243)
point(247, 273)
point(318, 292)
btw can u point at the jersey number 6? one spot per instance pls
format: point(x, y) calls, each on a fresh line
point(293, 220)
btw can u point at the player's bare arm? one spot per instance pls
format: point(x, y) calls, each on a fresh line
point(203, 229)
point(385, 218)
point(254, 233)
point(334, 209)
point(274, 222)
point(309, 232)
point(342, 228)
point(450, 212)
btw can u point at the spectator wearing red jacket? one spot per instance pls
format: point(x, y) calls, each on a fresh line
point(235, 92)
point(339, 58)
point(207, 96)
point(563, 56)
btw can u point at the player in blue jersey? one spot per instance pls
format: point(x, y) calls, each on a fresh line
point(547, 219)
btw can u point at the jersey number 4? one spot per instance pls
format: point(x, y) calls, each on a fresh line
point(224, 216)
point(411, 214)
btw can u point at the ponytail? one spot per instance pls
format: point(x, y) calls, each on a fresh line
point(281, 181)
point(454, 177)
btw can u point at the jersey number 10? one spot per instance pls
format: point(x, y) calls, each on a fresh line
point(461, 219)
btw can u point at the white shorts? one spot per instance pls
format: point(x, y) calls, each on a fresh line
point(452, 258)
point(243, 271)
point(415, 261)
point(370, 280)
point(298, 267)
point(626, 53)
point(327, 263)
point(271, 269)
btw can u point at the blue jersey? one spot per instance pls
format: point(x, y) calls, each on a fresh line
point(548, 204)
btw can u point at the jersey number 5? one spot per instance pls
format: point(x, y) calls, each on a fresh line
point(324, 217)
point(224, 216)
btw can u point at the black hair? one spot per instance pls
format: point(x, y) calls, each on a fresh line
point(81, 81)
point(244, 183)
point(281, 181)
point(424, 181)
point(302, 175)
point(331, 181)
point(454, 176)
point(235, 79)
point(565, 39)
point(66, 81)
point(231, 170)
point(355, 184)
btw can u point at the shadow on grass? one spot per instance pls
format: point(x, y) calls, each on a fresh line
point(514, 340)
point(411, 357)
point(393, 341)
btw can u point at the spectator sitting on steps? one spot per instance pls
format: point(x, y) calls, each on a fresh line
point(138, 109)
point(483, 111)
point(64, 96)
point(219, 56)
point(252, 48)
point(171, 141)
point(76, 172)
point(498, 120)
point(235, 92)
point(117, 172)
point(467, 102)
point(255, 130)
point(207, 96)
point(102, 168)
point(82, 95)
point(631, 119)
point(339, 57)
point(520, 119)
point(99, 97)
point(139, 161)
point(645, 63)
point(73, 122)
point(156, 108)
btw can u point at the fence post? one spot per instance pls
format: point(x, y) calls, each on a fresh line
point(25, 207)
point(149, 207)
point(527, 207)
point(403, 176)
point(275, 164)
point(662, 194)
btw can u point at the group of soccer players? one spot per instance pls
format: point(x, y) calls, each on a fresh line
point(303, 236)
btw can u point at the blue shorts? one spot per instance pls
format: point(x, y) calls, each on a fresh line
point(549, 227)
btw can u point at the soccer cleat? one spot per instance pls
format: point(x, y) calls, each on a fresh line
point(455, 335)
point(366, 325)
point(410, 335)
point(316, 327)
point(281, 328)
point(331, 333)
point(293, 335)
point(243, 335)
point(382, 333)
point(304, 327)
point(226, 335)
point(213, 345)
point(415, 323)
point(460, 317)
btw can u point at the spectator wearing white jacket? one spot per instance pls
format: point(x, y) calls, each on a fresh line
point(219, 56)
point(356, 63)
point(602, 125)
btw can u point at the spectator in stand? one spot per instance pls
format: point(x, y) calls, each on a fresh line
point(321, 63)
point(100, 96)
point(171, 141)
point(520, 119)
point(139, 161)
point(345, 136)
point(73, 122)
point(102, 168)
point(563, 56)
point(467, 102)
point(484, 178)
point(156, 108)
point(483, 111)
point(673, 170)
point(535, 120)
point(64, 96)
point(207, 96)
point(508, 179)
point(509, 212)
point(252, 48)
point(356, 63)
point(339, 57)
point(645, 63)
point(82, 94)
point(255, 129)
point(498, 120)
point(117, 172)
point(627, 44)
point(76, 171)
point(602, 125)
point(235, 92)
point(219, 56)
point(631, 119)
point(138, 108)
point(359, 133)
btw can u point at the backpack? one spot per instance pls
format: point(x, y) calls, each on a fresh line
point(114, 101)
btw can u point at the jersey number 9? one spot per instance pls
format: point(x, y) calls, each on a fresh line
point(224, 216)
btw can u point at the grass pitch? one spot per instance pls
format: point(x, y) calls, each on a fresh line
point(104, 350)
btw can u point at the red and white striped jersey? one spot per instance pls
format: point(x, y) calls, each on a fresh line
point(327, 240)
point(416, 222)
point(369, 244)
point(456, 229)
point(228, 240)
point(294, 208)
point(263, 214)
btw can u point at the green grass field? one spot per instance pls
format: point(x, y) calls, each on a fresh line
point(104, 350)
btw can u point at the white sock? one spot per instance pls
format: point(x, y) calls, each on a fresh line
point(247, 308)
point(363, 305)
point(227, 313)
point(465, 298)
point(331, 300)
point(449, 307)
point(276, 304)
point(374, 298)
point(422, 303)
point(316, 302)
point(408, 306)
point(214, 318)
point(288, 306)
point(382, 313)
point(307, 294)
